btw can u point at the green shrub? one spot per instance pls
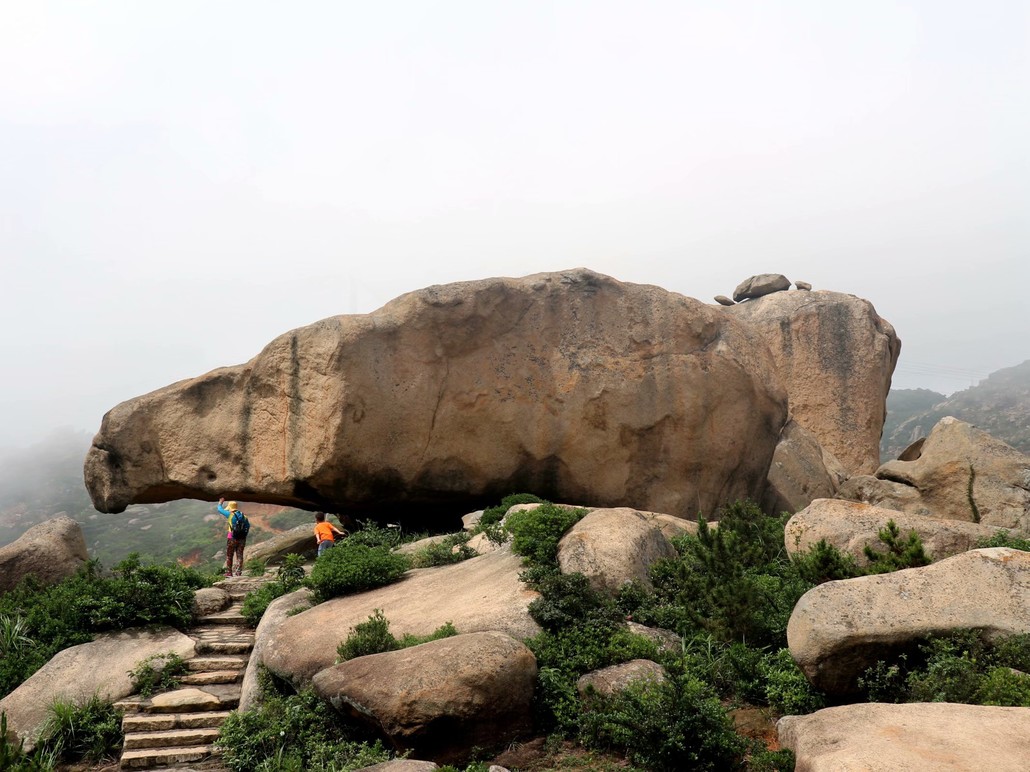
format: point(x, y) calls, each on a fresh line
point(353, 567)
point(493, 515)
point(55, 617)
point(786, 687)
point(824, 562)
point(374, 637)
point(91, 731)
point(289, 577)
point(371, 534)
point(536, 532)
point(452, 549)
point(962, 666)
point(255, 567)
point(297, 732)
point(677, 725)
point(1005, 539)
point(14, 759)
point(899, 553)
point(158, 673)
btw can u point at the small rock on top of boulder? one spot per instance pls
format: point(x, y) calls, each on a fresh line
point(762, 284)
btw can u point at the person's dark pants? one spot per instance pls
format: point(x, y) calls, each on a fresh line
point(324, 545)
point(234, 547)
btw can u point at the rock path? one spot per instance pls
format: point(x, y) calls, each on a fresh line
point(177, 729)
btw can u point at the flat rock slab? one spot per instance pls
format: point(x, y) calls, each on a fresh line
point(194, 699)
point(838, 629)
point(917, 737)
point(479, 594)
point(77, 673)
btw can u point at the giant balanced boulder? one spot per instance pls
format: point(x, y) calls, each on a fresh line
point(572, 385)
point(836, 356)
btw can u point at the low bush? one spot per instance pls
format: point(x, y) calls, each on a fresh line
point(536, 532)
point(374, 637)
point(1005, 539)
point(158, 673)
point(493, 515)
point(91, 731)
point(42, 620)
point(255, 567)
point(371, 534)
point(296, 732)
point(898, 552)
point(452, 549)
point(289, 577)
point(668, 727)
point(354, 567)
point(963, 667)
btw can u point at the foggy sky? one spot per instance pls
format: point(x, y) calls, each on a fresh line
point(182, 182)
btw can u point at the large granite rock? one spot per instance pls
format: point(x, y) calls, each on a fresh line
point(75, 674)
point(959, 472)
point(836, 356)
point(851, 526)
point(572, 385)
point(840, 628)
point(277, 612)
point(440, 699)
point(800, 471)
point(482, 593)
point(918, 737)
point(612, 547)
point(299, 540)
point(49, 552)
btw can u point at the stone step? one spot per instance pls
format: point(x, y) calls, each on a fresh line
point(210, 663)
point(231, 616)
point(225, 647)
point(193, 699)
point(208, 677)
point(165, 757)
point(156, 722)
point(170, 738)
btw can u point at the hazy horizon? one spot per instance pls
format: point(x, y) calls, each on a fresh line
point(182, 183)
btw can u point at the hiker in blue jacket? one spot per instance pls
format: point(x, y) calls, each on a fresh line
point(234, 544)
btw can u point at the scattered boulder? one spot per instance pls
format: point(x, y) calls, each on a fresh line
point(803, 285)
point(573, 385)
point(840, 628)
point(299, 540)
point(439, 699)
point(277, 611)
point(836, 356)
point(49, 552)
point(917, 737)
point(962, 473)
point(77, 673)
point(760, 285)
point(411, 547)
point(210, 600)
point(852, 526)
point(617, 678)
point(798, 472)
point(722, 300)
point(471, 520)
point(666, 640)
point(612, 547)
point(481, 593)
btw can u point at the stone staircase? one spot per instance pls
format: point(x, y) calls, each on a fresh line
point(179, 727)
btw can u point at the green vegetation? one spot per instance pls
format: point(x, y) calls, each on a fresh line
point(452, 549)
point(91, 731)
point(36, 621)
point(535, 533)
point(289, 577)
point(294, 733)
point(374, 637)
point(1005, 539)
point(493, 515)
point(963, 666)
point(158, 673)
point(351, 567)
point(899, 553)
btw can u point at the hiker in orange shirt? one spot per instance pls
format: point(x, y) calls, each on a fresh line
point(324, 533)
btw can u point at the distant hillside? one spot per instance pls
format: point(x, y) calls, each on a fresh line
point(46, 480)
point(1000, 405)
